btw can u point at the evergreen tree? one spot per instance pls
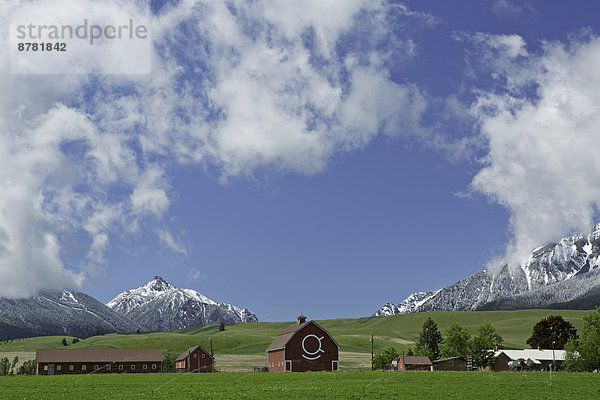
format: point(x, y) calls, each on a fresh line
point(429, 340)
point(456, 342)
point(4, 366)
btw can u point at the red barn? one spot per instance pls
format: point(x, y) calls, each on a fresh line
point(86, 361)
point(194, 359)
point(303, 346)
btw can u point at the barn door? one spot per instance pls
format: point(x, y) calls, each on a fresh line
point(334, 365)
point(288, 365)
point(50, 369)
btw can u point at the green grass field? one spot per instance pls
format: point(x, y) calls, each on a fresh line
point(353, 335)
point(315, 385)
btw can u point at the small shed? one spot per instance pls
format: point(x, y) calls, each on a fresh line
point(194, 359)
point(303, 346)
point(101, 361)
point(414, 363)
point(450, 364)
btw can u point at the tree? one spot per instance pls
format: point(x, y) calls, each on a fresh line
point(551, 332)
point(27, 368)
point(169, 362)
point(4, 366)
point(384, 360)
point(584, 354)
point(483, 345)
point(64, 342)
point(429, 340)
point(571, 362)
point(221, 327)
point(13, 365)
point(455, 342)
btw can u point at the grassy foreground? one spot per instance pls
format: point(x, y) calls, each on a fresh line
point(353, 335)
point(316, 385)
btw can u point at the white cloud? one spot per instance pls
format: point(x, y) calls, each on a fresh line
point(194, 274)
point(167, 238)
point(245, 86)
point(542, 163)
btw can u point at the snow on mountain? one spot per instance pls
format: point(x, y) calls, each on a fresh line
point(59, 313)
point(408, 305)
point(158, 305)
point(563, 274)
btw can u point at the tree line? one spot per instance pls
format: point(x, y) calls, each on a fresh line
point(582, 351)
point(455, 342)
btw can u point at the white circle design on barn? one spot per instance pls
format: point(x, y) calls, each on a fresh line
point(313, 353)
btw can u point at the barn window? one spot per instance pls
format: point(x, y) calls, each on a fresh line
point(145, 366)
point(83, 367)
point(45, 368)
point(96, 368)
point(132, 366)
point(195, 355)
point(71, 367)
point(121, 366)
point(153, 366)
point(203, 355)
point(59, 367)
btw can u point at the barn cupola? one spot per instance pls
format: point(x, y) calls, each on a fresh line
point(301, 319)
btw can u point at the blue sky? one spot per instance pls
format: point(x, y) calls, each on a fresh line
point(314, 157)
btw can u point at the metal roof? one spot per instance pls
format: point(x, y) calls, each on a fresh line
point(188, 351)
point(533, 354)
point(98, 355)
point(284, 337)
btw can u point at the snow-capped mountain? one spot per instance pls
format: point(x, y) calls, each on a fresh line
point(158, 306)
point(559, 275)
point(59, 313)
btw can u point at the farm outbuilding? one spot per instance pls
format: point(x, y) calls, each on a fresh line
point(303, 346)
point(450, 364)
point(194, 359)
point(538, 359)
point(414, 363)
point(85, 361)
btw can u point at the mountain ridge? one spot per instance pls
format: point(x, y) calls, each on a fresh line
point(556, 275)
point(159, 305)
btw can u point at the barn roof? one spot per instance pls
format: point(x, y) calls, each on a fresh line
point(188, 351)
point(98, 355)
point(288, 333)
point(416, 360)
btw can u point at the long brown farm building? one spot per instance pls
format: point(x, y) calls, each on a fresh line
point(303, 346)
point(194, 359)
point(85, 361)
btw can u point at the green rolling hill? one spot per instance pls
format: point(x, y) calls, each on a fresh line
point(352, 334)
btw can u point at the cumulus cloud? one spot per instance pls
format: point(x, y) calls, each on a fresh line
point(243, 86)
point(542, 162)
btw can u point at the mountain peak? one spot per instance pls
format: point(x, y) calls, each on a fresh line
point(159, 305)
point(158, 284)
